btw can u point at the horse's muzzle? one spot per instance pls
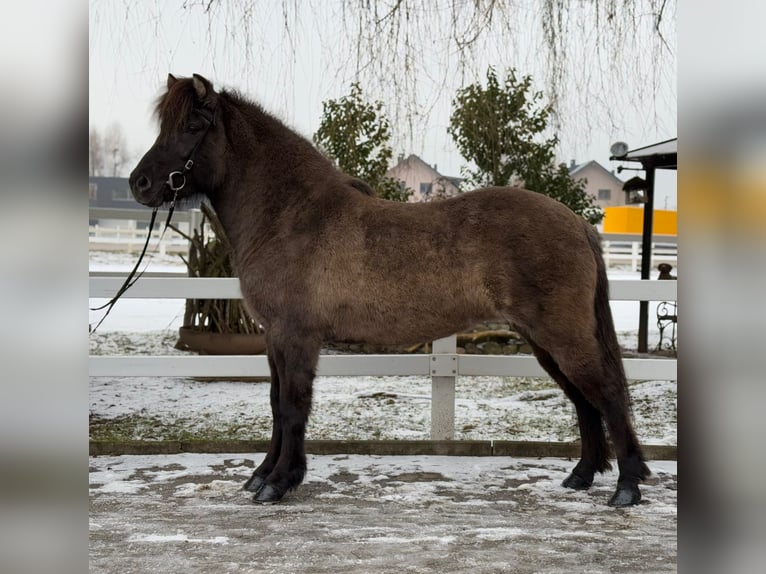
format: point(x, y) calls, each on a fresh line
point(141, 187)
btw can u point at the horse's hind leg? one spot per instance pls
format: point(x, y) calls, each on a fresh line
point(596, 383)
point(603, 385)
point(295, 361)
point(594, 452)
point(257, 480)
point(630, 458)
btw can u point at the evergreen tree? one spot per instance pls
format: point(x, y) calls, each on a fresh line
point(356, 134)
point(500, 129)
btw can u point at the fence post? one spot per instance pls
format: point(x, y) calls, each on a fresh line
point(195, 220)
point(443, 377)
point(634, 256)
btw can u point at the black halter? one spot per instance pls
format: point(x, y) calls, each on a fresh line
point(171, 183)
point(175, 186)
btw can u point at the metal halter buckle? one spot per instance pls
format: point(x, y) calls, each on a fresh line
point(171, 183)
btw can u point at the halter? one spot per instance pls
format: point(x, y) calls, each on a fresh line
point(171, 183)
point(133, 277)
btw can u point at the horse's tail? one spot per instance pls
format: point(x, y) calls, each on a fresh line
point(605, 332)
point(611, 355)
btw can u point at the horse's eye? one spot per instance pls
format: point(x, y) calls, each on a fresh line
point(193, 127)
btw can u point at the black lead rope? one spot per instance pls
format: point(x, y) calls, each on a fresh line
point(134, 275)
point(176, 181)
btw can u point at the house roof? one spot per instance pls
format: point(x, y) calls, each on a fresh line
point(413, 158)
point(578, 168)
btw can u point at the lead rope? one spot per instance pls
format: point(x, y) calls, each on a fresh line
point(131, 279)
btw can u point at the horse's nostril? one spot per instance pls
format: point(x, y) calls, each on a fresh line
point(143, 183)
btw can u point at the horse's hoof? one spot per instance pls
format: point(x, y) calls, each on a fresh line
point(576, 482)
point(254, 483)
point(625, 495)
point(268, 495)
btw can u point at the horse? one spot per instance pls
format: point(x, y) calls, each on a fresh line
point(321, 259)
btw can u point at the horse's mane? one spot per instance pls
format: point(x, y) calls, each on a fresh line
point(174, 106)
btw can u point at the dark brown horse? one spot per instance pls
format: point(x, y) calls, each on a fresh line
point(320, 259)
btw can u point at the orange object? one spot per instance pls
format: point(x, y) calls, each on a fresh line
point(630, 219)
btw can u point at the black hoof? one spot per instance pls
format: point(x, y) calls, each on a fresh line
point(268, 495)
point(576, 482)
point(254, 483)
point(625, 495)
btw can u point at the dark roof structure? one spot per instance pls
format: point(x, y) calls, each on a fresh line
point(661, 155)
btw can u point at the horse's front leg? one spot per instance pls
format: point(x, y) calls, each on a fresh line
point(257, 480)
point(295, 358)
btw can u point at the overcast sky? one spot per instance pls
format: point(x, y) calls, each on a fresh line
point(133, 45)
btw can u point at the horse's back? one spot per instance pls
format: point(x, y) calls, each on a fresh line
point(441, 266)
point(509, 229)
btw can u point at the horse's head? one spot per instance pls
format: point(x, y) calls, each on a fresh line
point(186, 157)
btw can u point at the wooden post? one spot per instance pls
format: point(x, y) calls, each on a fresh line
point(444, 371)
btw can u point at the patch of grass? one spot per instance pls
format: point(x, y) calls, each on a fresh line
point(143, 427)
point(502, 387)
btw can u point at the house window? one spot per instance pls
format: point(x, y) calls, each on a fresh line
point(92, 190)
point(425, 189)
point(121, 195)
point(605, 194)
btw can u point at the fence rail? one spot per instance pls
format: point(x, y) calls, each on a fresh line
point(622, 252)
point(178, 286)
point(443, 365)
point(131, 240)
point(619, 249)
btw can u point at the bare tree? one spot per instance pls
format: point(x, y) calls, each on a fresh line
point(116, 150)
point(597, 60)
point(95, 153)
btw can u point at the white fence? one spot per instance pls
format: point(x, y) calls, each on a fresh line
point(131, 240)
point(443, 365)
point(107, 232)
point(628, 252)
point(619, 249)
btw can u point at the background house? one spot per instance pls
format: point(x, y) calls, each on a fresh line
point(114, 193)
point(427, 183)
point(111, 193)
point(118, 222)
point(423, 179)
point(602, 184)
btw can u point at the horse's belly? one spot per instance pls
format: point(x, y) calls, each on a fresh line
point(409, 322)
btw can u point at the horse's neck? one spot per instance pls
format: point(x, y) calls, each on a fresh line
point(259, 188)
point(243, 217)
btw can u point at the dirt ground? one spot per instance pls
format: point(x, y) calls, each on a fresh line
point(374, 514)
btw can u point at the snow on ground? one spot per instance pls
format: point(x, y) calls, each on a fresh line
point(118, 473)
point(361, 408)
point(114, 261)
point(377, 514)
point(487, 408)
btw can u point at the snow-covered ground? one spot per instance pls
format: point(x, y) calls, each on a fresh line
point(487, 408)
point(447, 514)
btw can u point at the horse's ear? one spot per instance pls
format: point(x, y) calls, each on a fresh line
point(171, 80)
point(204, 89)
